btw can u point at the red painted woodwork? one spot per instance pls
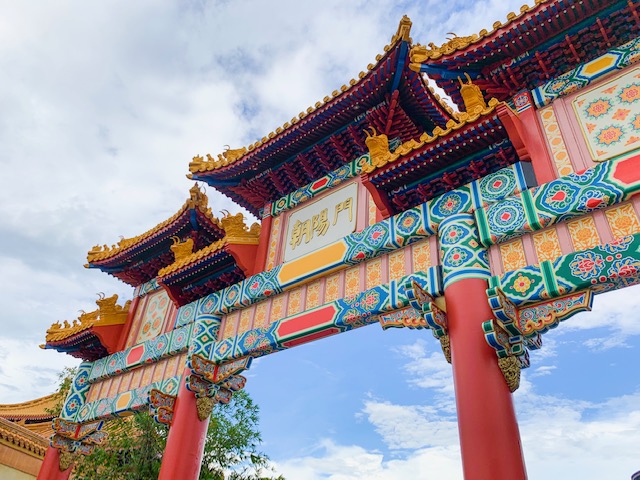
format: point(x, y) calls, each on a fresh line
point(306, 321)
point(263, 244)
point(489, 436)
point(627, 170)
point(109, 336)
point(124, 333)
point(384, 208)
point(50, 469)
point(185, 444)
point(245, 257)
point(527, 137)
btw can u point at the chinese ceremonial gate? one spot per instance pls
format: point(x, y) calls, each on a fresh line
point(381, 204)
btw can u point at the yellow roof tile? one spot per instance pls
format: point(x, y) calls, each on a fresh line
point(23, 438)
point(32, 409)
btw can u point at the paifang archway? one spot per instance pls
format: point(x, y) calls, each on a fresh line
point(381, 205)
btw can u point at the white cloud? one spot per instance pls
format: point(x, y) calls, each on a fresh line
point(615, 311)
point(28, 372)
point(411, 426)
point(428, 370)
point(350, 462)
point(542, 371)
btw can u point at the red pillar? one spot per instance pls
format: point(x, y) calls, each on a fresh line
point(527, 136)
point(185, 444)
point(489, 436)
point(263, 245)
point(50, 469)
point(124, 334)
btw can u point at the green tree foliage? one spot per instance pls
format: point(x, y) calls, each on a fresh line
point(135, 445)
point(66, 379)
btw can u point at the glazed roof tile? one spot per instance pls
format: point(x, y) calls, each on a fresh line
point(36, 409)
point(22, 438)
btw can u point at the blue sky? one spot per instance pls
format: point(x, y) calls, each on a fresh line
point(104, 104)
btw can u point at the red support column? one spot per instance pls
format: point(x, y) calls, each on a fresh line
point(489, 436)
point(527, 136)
point(263, 245)
point(185, 444)
point(50, 469)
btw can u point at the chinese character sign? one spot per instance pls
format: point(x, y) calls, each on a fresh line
point(321, 222)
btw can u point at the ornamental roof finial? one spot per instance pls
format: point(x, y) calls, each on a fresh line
point(472, 96)
point(404, 29)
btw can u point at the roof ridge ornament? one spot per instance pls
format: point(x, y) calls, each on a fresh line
point(236, 229)
point(379, 153)
point(181, 249)
point(404, 29)
point(227, 157)
point(107, 313)
point(472, 96)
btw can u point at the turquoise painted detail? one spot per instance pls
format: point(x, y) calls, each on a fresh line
point(600, 269)
point(163, 346)
point(77, 395)
point(562, 199)
point(129, 401)
point(346, 314)
point(460, 250)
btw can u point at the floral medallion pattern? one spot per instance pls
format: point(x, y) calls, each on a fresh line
point(604, 113)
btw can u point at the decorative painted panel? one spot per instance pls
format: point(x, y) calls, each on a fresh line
point(230, 324)
point(153, 319)
point(547, 244)
point(332, 288)
point(556, 142)
point(295, 301)
point(146, 288)
point(622, 220)
point(78, 391)
point(352, 282)
point(397, 265)
point(568, 197)
point(374, 272)
point(609, 116)
point(512, 254)
point(602, 268)
point(584, 233)
point(246, 319)
point(273, 242)
point(373, 210)
point(261, 319)
point(313, 294)
point(187, 313)
point(277, 310)
point(460, 250)
point(421, 252)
